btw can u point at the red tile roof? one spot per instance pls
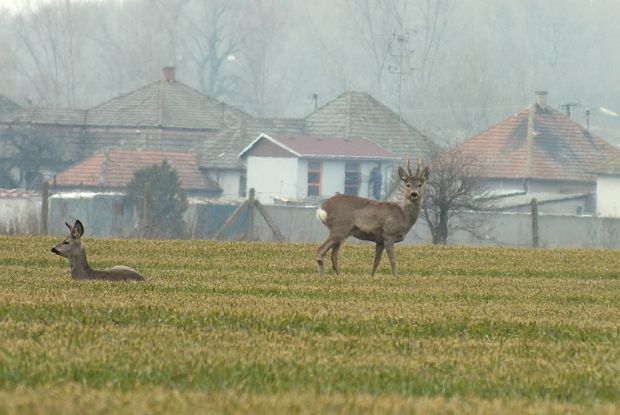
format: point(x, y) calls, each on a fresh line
point(539, 143)
point(114, 168)
point(311, 146)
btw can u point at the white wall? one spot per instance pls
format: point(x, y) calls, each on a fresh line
point(273, 176)
point(287, 178)
point(228, 180)
point(608, 196)
point(332, 180)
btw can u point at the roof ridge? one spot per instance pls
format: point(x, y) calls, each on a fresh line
point(117, 97)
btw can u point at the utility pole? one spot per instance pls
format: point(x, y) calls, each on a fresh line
point(403, 53)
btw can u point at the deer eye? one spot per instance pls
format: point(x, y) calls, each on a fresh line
point(65, 242)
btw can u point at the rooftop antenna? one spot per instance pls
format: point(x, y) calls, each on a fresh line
point(315, 98)
point(403, 53)
point(568, 106)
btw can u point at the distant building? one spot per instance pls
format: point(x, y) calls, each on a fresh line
point(540, 152)
point(167, 115)
point(294, 168)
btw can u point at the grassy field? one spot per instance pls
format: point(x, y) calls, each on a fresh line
point(251, 328)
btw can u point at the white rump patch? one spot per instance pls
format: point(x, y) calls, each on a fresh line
point(321, 215)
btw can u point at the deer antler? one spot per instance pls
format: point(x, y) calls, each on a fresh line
point(409, 167)
point(419, 165)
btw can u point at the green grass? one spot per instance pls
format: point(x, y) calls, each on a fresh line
point(251, 328)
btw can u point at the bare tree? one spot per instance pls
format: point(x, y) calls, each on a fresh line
point(455, 186)
point(265, 21)
point(50, 34)
point(214, 39)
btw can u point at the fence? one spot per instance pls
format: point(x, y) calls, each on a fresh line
point(105, 216)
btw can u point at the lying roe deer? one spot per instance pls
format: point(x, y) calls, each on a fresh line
point(71, 248)
point(384, 223)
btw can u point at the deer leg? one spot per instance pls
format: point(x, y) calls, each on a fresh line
point(335, 250)
point(389, 247)
point(320, 253)
point(378, 253)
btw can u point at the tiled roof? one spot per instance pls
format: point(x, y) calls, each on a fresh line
point(357, 114)
point(610, 168)
point(161, 104)
point(114, 168)
point(168, 104)
point(7, 105)
point(539, 143)
point(310, 146)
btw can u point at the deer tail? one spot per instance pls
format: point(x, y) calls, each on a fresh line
point(321, 215)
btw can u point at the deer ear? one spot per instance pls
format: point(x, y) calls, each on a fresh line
point(78, 230)
point(69, 226)
point(426, 173)
point(402, 174)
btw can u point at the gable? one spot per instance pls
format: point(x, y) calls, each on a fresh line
point(267, 148)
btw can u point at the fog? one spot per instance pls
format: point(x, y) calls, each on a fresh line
point(452, 68)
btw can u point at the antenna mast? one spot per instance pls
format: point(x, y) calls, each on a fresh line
point(403, 52)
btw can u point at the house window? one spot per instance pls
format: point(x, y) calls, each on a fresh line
point(352, 178)
point(243, 183)
point(314, 178)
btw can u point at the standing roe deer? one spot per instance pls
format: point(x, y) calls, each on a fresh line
point(71, 248)
point(384, 223)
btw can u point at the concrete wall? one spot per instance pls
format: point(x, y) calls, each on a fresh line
point(494, 229)
point(103, 216)
point(20, 213)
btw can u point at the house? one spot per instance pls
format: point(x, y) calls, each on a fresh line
point(541, 152)
point(94, 188)
point(299, 167)
point(112, 169)
point(165, 115)
point(608, 189)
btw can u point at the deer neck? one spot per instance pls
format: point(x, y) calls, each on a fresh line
point(411, 210)
point(79, 265)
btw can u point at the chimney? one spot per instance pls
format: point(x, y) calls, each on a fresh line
point(541, 98)
point(168, 73)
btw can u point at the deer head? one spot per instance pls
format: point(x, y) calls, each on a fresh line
point(71, 246)
point(414, 182)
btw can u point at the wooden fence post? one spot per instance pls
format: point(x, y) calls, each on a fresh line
point(248, 235)
point(535, 241)
point(45, 195)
